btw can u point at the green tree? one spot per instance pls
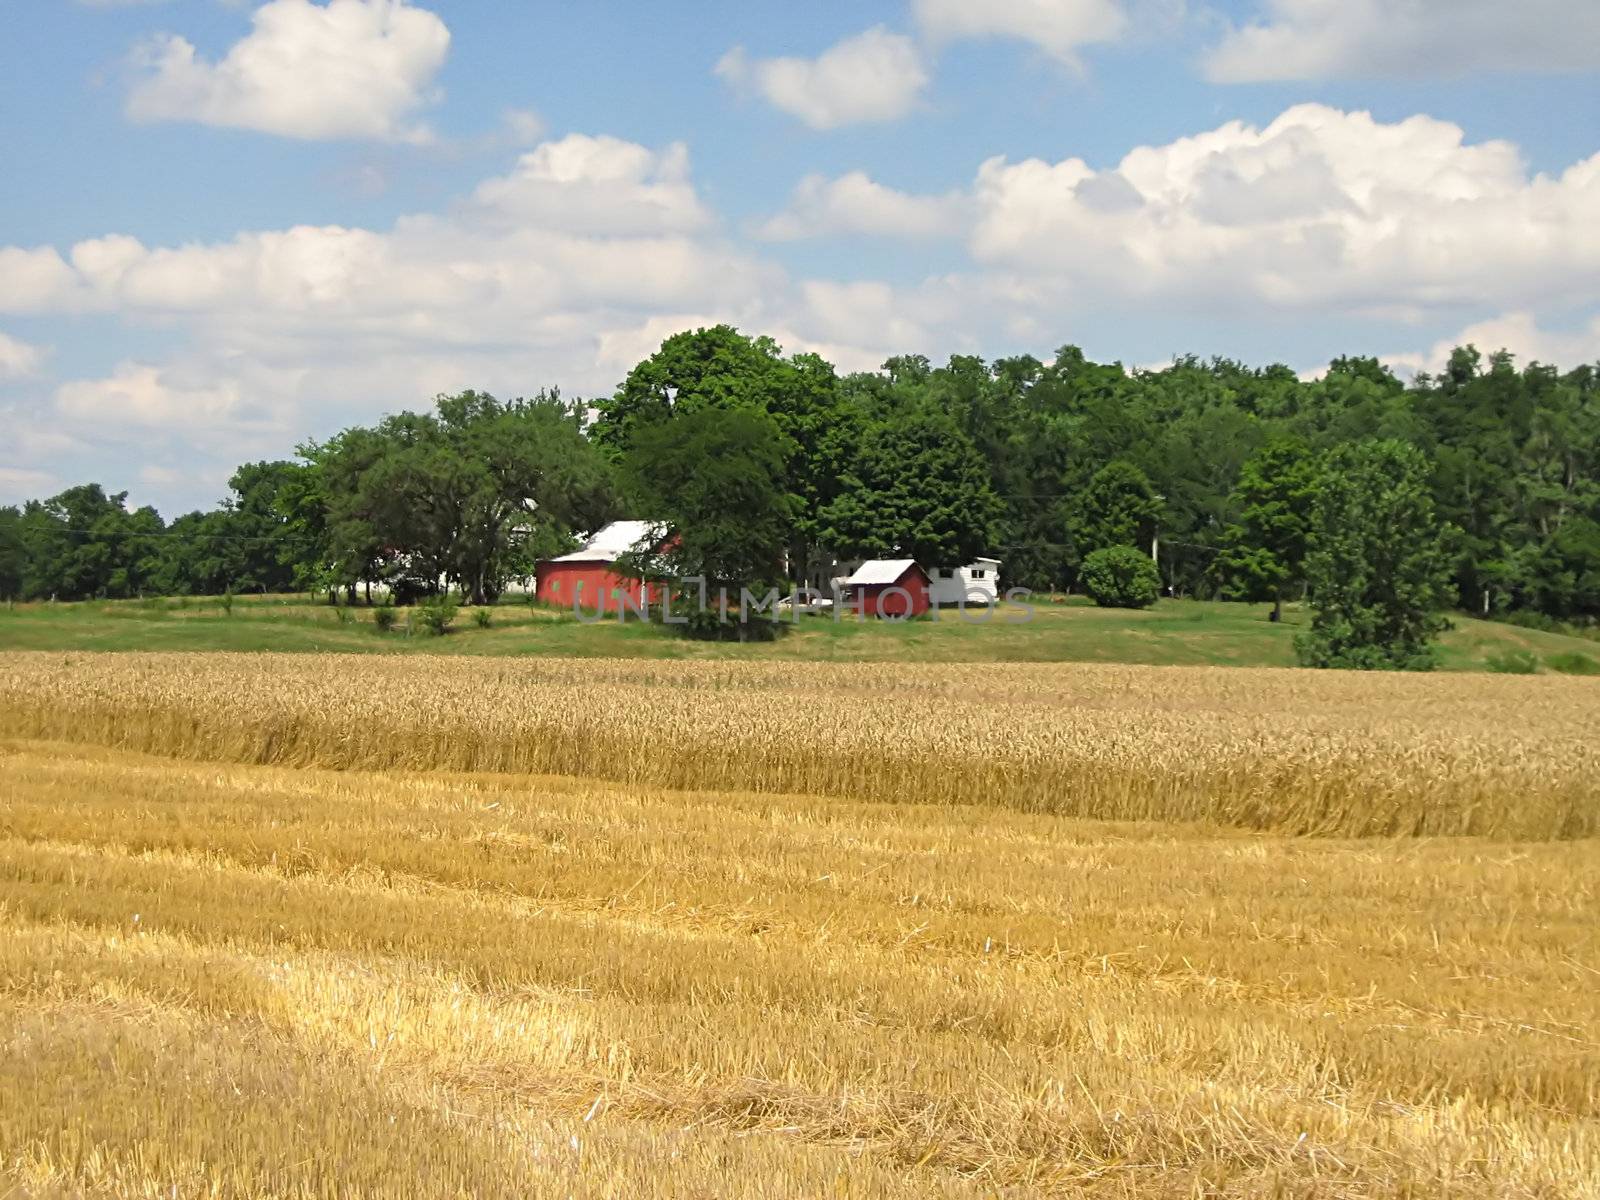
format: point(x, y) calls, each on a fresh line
point(1264, 549)
point(470, 494)
point(916, 487)
point(721, 369)
point(1376, 562)
point(1119, 508)
point(713, 481)
point(13, 554)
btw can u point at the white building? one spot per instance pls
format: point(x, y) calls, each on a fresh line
point(977, 583)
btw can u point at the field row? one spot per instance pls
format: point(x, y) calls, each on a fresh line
point(504, 986)
point(1297, 752)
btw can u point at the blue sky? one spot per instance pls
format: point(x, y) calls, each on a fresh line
point(229, 226)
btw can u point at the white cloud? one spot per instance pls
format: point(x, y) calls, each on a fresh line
point(1327, 39)
point(1321, 208)
point(855, 204)
point(1518, 332)
point(523, 125)
point(1059, 27)
point(587, 250)
point(346, 69)
point(597, 184)
point(138, 394)
point(18, 359)
point(24, 481)
point(873, 76)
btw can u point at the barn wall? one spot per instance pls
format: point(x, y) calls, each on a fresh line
point(557, 583)
point(873, 602)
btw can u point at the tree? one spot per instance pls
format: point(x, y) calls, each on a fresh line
point(1376, 562)
point(13, 554)
point(916, 487)
point(84, 544)
point(1121, 577)
point(1119, 508)
point(1264, 549)
point(721, 369)
point(469, 494)
point(713, 482)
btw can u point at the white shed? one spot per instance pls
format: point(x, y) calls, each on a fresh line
point(977, 583)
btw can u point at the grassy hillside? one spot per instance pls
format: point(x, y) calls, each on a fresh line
point(1174, 632)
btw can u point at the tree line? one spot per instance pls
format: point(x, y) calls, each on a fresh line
point(769, 465)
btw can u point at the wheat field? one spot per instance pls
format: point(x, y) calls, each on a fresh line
point(1291, 751)
point(331, 927)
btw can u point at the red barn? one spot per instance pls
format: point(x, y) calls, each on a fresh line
point(889, 587)
point(585, 578)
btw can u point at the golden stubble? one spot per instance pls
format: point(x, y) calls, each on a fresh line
point(221, 978)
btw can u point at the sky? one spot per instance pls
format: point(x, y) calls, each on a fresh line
point(229, 226)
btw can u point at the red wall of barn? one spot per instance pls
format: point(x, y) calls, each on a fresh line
point(558, 583)
point(873, 603)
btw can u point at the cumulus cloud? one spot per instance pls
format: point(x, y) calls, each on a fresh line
point(139, 394)
point(1326, 39)
point(1518, 332)
point(1059, 27)
point(566, 269)
point(587, 251)
point(856, 204)
point(18, 359)
point(345, 69)
point(25, 481)
point(597, 184)
point(873, 76)
point(1319, 208)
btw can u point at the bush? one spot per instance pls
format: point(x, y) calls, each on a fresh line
point(384, 616)
point(1121, 577)
point(436, 614)
point(482, 617)
point(1513, 662)
point(226, 603)
point(1572, 663)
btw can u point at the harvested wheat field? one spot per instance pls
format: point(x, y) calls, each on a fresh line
point(761, 930)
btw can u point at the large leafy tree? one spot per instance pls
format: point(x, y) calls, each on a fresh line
point(84, 543)
point(721, 369)
point(1118, 508)
point(1264, 549)
point(916, 487)
point(469, 495)
point(13, 554)
point(713, 482)
point(1376, 563)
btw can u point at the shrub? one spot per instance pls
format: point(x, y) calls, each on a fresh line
point(1121, 577)
point(226, 603)
point(482, 617)
point(384, 616)
point(436, 614)
point(1572, 663)
point(1513, 662)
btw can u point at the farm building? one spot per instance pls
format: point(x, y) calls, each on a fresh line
point(888, 587)
point(977, 583)
point(586, 578)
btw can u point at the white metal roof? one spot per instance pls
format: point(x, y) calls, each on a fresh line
point(612, 542)
point(880, 570)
